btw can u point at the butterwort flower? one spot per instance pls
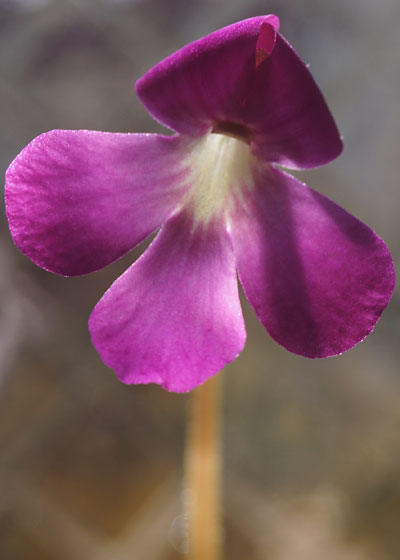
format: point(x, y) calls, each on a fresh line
point(241, 104)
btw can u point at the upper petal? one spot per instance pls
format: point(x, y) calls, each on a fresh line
point(292, 123)
point(247, 77)
point(174, 317)
point(78, 200)
point(316, 276)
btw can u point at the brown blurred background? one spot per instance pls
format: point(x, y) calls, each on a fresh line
point(91, 469)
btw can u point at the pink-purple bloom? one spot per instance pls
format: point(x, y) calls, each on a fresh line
point(239, 102)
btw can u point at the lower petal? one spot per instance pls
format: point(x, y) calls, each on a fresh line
point(77, 200)
point(317, 278)
point(174, 317)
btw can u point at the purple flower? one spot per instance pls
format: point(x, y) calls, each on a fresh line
point(240, 101)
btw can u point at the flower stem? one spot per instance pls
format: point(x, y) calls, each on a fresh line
point(203, 472)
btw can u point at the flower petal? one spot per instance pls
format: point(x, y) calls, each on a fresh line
point(174, 317)
point(206, 81)
point(317, 278)
point(245, 76)
point(291, 120)
point(78, 200)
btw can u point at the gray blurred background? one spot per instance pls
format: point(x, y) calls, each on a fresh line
point(91, 469)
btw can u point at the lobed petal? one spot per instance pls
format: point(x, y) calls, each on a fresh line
point(78, 200)
point(317, 278)
point(245, 77)
point(174, 317)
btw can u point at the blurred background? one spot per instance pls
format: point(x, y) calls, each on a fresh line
point(90, 468)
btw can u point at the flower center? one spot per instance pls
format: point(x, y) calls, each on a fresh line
point(236, 130)
point(220, 167)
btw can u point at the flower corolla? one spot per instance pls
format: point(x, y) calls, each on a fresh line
point(241, 104)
